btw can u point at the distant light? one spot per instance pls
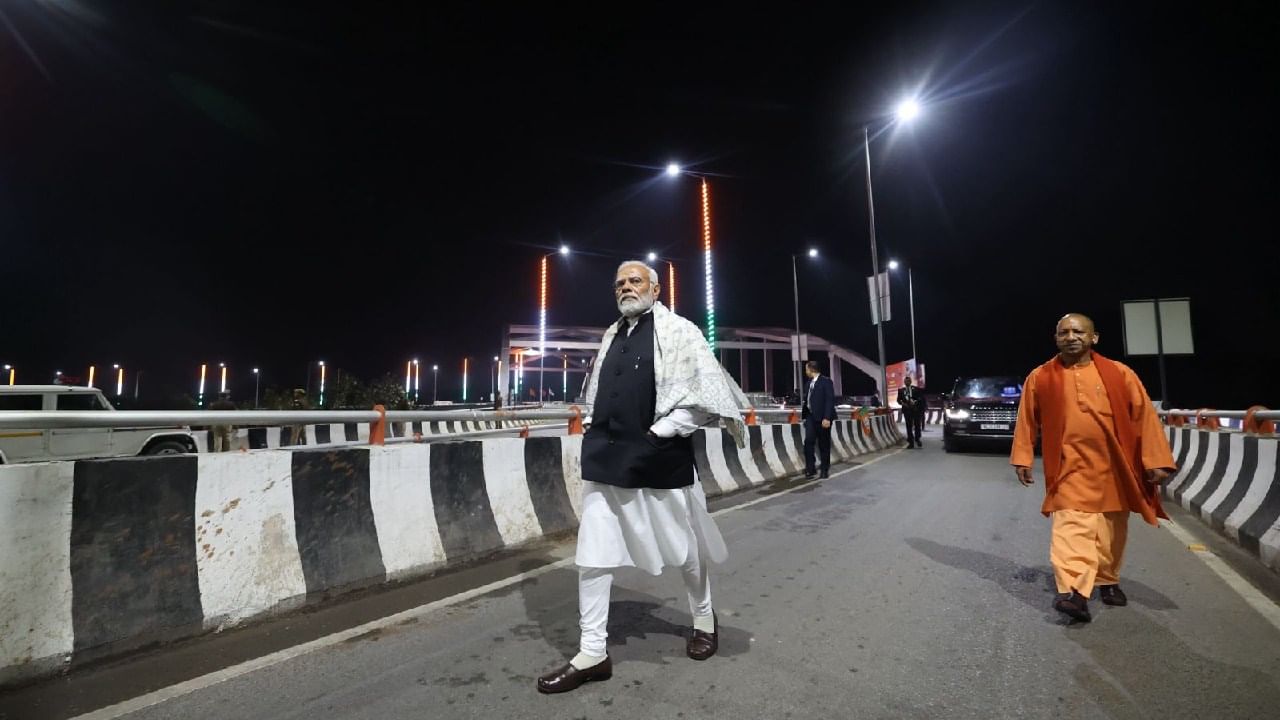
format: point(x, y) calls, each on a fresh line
point(321, 363)
point(893, 264)
point(653, 257)
point(255, 371)
point(813, 252)
point(495, 358)
point(908, 110)
point(673, 170)
point(435, 367)
point(115, 366)
point(564, 249)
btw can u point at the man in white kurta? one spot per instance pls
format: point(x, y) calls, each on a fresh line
point(654, 384)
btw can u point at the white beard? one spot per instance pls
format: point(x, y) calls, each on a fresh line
point(632, 308)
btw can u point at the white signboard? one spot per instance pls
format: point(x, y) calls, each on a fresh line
point(884, 298)
point(1140, 324)
point(799, 347)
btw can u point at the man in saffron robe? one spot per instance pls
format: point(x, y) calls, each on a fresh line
point(1105, 455)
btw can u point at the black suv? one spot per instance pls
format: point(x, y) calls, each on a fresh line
point(980, 410)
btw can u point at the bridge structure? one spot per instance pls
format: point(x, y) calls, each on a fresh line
point(572, 349)
point(400, 576)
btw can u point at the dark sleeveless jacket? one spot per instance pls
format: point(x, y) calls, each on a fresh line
point(618, 449)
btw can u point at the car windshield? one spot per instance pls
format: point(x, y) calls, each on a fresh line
point(993, 387)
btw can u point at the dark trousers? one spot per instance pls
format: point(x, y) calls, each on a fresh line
point(815, 433)
point(915, 425)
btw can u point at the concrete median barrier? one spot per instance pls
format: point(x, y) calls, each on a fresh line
point(101, 557)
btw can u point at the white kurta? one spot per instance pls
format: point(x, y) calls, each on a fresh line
point(646, 528)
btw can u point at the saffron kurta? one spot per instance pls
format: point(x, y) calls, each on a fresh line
point(1093, 471)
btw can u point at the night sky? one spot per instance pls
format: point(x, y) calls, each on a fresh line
point(249, 183)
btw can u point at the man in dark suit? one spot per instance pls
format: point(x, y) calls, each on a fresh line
point(912, 402)
point(819, 412)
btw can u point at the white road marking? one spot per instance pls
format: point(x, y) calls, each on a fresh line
point(1251, 595)
point(230, 673)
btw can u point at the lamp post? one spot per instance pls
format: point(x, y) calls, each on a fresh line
point(907, 110)
point(671, 280)
point(466, 367)
point(417, 379)
point(493, 380)
point(911, 302)
point(223, 387)
point(12, 373)
point(322, 375)
point(795, 287)
point(542, 315)
point(256, 376)
point(119, 379)
point(435, 376)
point(674, 170)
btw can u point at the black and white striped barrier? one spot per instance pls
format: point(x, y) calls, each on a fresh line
point(1230, 481)
point(275, 438)
point(932, 416)
point(98, 557)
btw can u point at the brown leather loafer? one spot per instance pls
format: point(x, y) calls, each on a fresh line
point(1112, 595)
point(703, 645)
point(1074, 605)
point(571, 678)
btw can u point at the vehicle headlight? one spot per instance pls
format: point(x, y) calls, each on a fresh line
point(957, 414)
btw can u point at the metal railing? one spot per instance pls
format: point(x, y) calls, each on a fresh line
point(55, 419)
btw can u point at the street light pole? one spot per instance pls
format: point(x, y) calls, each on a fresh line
point(435, 377)
point(795, 288)
point(875, 268)
point(256, 376)
point(911, 300)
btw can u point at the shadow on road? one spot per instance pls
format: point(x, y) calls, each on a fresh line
point(551, 605)
point(1032, 585)
point(1141, 668)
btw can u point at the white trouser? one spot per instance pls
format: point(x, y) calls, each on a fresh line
point(593, 600)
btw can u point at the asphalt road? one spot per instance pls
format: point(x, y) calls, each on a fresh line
point(915, 585)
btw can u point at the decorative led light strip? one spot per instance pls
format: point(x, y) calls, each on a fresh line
point(564, 387)
point(119, 381)
point(203, 371)
point(91, 369)
point(542, 314)
point(466, 364)
point(671, 284)
point(408, 375)
point(706, 250)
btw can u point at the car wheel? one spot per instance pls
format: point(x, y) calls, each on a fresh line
point(166, 447)
point(950, 445)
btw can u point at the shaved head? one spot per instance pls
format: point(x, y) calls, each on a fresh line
point(1075, 337)
point(1084, 319)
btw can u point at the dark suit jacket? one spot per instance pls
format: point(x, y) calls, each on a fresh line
point(821, 403)
point(911, 393)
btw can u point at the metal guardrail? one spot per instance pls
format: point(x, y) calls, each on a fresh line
point(53, 419)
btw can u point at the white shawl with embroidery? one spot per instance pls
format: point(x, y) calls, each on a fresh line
point(686, 373)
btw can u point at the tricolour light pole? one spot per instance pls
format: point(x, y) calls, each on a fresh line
point(435, 385)
point(542, 315)
point(256, 376)
point(674, 170)
point(907, 110)
point(671, 280)
point(12, 372)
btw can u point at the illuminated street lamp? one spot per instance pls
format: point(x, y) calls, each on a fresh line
point(542, 313)
point(12, 372)
point(435, 377)
point(256, 377)
point(796, 372)
point(417, 379)
point(91, 372)
point(223, 387)
point(493, 380)
point(674, 170)
point(907, 111)
point(119, 379)
point(322, 376)
point(911, 301)
point(466, 367)
point(671, 279)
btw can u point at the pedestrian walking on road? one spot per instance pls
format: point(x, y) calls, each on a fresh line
point(912, 402)
point(655, 383)
point(223, 434)
point(1104, 454)
point(819, 412)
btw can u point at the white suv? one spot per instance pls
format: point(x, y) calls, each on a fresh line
point(18, 445)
